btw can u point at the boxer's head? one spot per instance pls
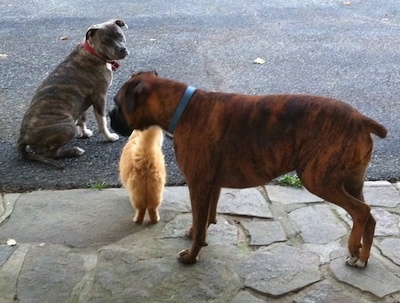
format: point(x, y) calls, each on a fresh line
point(131, 110)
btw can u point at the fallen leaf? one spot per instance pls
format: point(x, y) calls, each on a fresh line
point(3, 56)
point(11, 242)
point(259, 61)
point(64, 38)
point(346, 2)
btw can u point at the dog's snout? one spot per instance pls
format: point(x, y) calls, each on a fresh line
point(123, 52)
point(118, 122)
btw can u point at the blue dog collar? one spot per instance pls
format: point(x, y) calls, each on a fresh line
point(181, 108)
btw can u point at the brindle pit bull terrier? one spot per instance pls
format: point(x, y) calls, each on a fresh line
point(58, 108)
point(239, 141)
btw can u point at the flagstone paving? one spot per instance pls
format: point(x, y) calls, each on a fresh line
point(271, 244)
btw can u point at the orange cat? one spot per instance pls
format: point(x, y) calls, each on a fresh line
point(142, 172)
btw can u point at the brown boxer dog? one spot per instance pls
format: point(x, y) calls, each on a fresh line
point(58, 108)
point(239, 141)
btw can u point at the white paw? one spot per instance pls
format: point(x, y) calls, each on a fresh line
point(112, 137)
point(361, 264)
point(86, 133)
point(79, 151)
point(355, 262)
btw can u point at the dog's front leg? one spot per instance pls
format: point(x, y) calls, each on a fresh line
point(204, 201)
point(103, 129)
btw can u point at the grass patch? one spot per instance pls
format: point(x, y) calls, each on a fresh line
point(290, 180)
point(98, 186)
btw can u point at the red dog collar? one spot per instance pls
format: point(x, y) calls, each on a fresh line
point(114, 64)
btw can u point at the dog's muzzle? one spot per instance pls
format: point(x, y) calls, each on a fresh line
point(118, 122)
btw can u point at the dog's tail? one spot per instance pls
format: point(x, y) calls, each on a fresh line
point(22, 151)
point(376, 128)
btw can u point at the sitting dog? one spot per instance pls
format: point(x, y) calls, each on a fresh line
point(239, 141)
point(142, 172)
point(58, 108)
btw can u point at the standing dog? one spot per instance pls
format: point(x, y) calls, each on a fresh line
point(142, 172)
point(238, 141)
point(59, 105)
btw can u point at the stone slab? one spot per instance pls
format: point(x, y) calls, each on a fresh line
point(76, 218)
point(317, 224)
point(390, 247)
point(10, 273)
point(35, 284)
point(7, 205)
point(5, 252)
point(2, 207)
point(326, 293)
point(276, 271)
point(381, 193)
point(246, 297)
point(221, 233)
point(176, 198)
point(122, 276)
point(243, 202)
point(290, 195)
point(324, 251)
point(265, 232)
point(374, 278)
point(387, 224)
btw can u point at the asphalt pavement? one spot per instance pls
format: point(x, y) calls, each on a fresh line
point(342, 49)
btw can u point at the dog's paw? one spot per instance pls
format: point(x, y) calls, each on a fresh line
point(83, 132)
point(112, 137)
point(355, 262)
point(86, 133)
point(185, 257)
point(78, 151)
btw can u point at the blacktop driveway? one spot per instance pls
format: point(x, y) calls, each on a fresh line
point(342, 49)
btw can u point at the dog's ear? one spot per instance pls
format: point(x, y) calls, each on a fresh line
point(91, 32)
point(120, 23)
point(138, 92)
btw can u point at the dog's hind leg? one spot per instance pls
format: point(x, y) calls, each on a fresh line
point(333, 190)
point(66, 152)
point(204, 199)
point(368, 238)
point(354, 186)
